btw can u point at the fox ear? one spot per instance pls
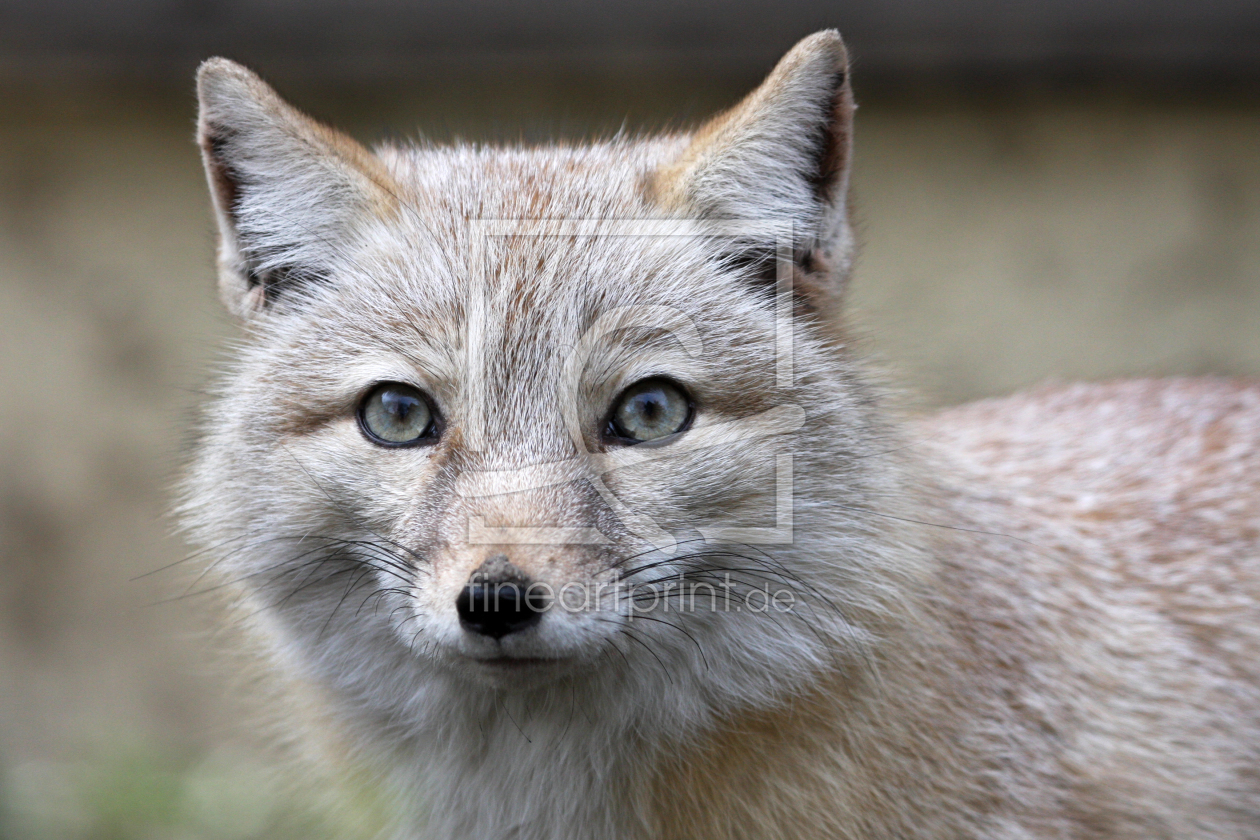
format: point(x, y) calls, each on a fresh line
point(780, 156)
point(287, 191)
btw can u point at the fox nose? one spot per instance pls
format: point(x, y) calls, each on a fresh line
point(499, 599)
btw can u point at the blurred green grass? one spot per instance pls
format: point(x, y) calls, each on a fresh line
point(131, 794)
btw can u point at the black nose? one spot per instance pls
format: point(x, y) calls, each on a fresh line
point(499, 600)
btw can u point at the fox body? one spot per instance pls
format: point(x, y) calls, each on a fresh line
point(760, 604)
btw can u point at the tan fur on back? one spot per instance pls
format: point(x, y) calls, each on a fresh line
point(1030, 618)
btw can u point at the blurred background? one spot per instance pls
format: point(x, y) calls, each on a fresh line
point(1045, 190)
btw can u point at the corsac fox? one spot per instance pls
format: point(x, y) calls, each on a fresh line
point(553, 479)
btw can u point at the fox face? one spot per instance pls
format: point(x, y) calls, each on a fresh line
point(544, 424)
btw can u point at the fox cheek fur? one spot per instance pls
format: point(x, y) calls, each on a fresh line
point(897, 628)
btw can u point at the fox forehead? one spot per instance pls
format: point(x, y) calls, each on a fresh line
point(401, 303)
point(447, 195)
point(612, 178)
point(537, 246)
point(545, 238)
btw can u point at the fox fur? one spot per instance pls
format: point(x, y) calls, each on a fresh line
point(1034, 617)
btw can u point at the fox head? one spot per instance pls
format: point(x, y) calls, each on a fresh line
point(533, 425)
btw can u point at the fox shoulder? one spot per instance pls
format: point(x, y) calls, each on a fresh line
point(1152, 483)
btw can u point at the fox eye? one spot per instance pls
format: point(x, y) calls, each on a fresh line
point(649, 410)
point(393, 414)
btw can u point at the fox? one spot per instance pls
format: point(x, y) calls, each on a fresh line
point(556, 486)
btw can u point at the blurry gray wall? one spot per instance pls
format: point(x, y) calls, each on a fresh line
point(332, 36)
point(1044, 190)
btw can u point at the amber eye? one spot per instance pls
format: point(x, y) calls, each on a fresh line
point(650, 410)
point(394, 414)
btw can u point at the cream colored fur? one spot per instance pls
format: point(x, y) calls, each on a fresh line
point(1027, 618)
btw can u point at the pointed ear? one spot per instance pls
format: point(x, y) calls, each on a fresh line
point(288, 192)
point(780, 156)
